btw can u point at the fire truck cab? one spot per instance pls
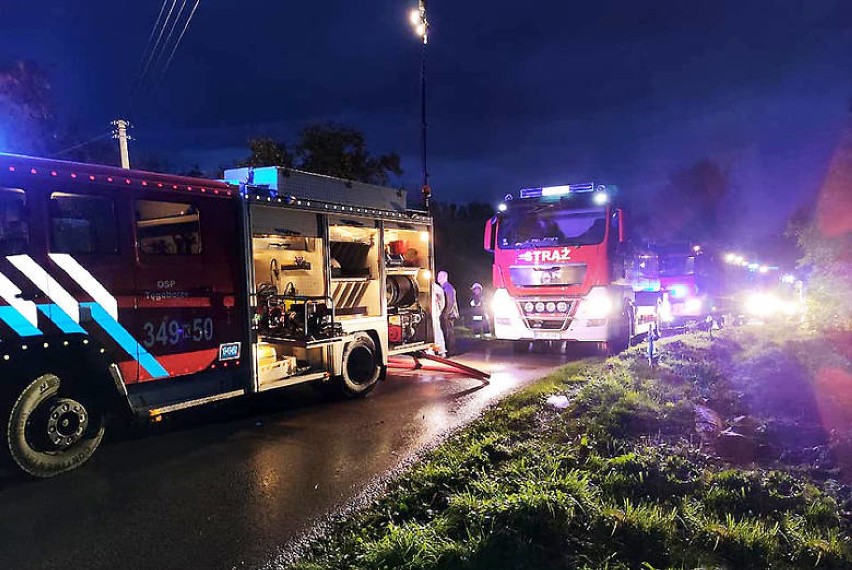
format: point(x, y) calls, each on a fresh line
point(687, 283)
point(560, 268)
point(129, 292)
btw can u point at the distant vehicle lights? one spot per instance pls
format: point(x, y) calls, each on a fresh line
point(737, 259)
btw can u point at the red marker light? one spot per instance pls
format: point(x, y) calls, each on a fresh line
point(159, 184)
point(144, 183)
point(91, 177)
point(53, 173)
point(109, 178)
point(189, 188)
point(127, 180)
point(174, 186)
point(33, 171)
point(73, 175)
point(11, 169)
point(215, 191)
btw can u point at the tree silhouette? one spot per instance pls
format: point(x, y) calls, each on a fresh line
point(327, 148)
point(690, 206)
point(26, 108)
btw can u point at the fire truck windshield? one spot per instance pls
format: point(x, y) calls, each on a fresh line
point(674, 265)
point(549, 226)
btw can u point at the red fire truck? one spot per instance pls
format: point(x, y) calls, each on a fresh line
point(124, 291)
point(688, 283)
point(560, 268)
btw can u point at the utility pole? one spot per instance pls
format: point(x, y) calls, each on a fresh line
point(421, 28)
point(120, 133)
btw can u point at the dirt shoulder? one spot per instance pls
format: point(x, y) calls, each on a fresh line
point(733, 452)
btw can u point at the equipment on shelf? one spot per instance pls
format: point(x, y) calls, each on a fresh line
point(295, 317)
point(401, 291)
point(407, 326)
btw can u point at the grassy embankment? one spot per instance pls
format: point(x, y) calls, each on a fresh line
point(729, 453)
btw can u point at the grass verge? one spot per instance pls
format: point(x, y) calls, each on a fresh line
point(729, 453)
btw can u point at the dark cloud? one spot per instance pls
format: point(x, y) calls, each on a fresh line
point(519, 93)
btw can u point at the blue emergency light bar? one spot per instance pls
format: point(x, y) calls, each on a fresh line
point(556, 190)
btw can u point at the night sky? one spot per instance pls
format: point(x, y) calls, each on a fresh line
point(520, 93)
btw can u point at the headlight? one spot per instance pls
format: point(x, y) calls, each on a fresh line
point(562, 306)
point(551, 307)
point(762, 304)
point(596, 305)
point(503, 305)
point(693, 305)
point(791, 307)
point(529, 306)
point(666, 310)
point(539, 307)
point(678, 291)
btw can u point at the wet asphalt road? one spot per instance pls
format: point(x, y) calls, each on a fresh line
point(230, 486)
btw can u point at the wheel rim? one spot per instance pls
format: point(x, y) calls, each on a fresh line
point(57, 425)
point(361, 365)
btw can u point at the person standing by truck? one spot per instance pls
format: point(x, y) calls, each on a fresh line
point(439, 301)
point(450, 312)
point(478, 315)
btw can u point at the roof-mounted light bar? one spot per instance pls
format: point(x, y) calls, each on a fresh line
point(556, 190)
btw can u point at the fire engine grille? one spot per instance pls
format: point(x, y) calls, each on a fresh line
point(546, 314)
point(548, 275)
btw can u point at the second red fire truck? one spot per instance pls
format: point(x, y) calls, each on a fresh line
point(561, 268)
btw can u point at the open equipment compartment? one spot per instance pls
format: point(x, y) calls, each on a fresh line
point(294, 319)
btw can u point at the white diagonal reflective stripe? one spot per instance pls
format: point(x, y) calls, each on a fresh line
point(85, 280)
point(35, 273)
point(9, 292)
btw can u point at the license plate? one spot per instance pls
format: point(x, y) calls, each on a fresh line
point(546, 335)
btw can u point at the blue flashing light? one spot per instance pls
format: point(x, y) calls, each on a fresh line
point(556, 190)
point(678, 291)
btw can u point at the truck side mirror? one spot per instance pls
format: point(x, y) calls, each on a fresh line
point(488, 241)
point(622, 234)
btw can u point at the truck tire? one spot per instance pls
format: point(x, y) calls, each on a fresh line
point(51, 430)
point(361, 367)
point(621, 337)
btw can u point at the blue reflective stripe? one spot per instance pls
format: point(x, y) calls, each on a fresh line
point(19, 324)
point(126, 341)
point(61, 319)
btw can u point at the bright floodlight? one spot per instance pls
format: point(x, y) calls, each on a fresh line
point(730, 258)
point(763, 269)
point(502, 207)
point(414, 16)
point(788, 278)
point(600, 198)
point(696, 248)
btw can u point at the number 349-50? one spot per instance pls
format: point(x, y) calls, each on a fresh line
point(173, 332)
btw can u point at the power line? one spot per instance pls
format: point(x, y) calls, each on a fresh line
point(84, 143)
point(170, 34)
point(153, 32)
point(180, 37)
point(156, 43)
